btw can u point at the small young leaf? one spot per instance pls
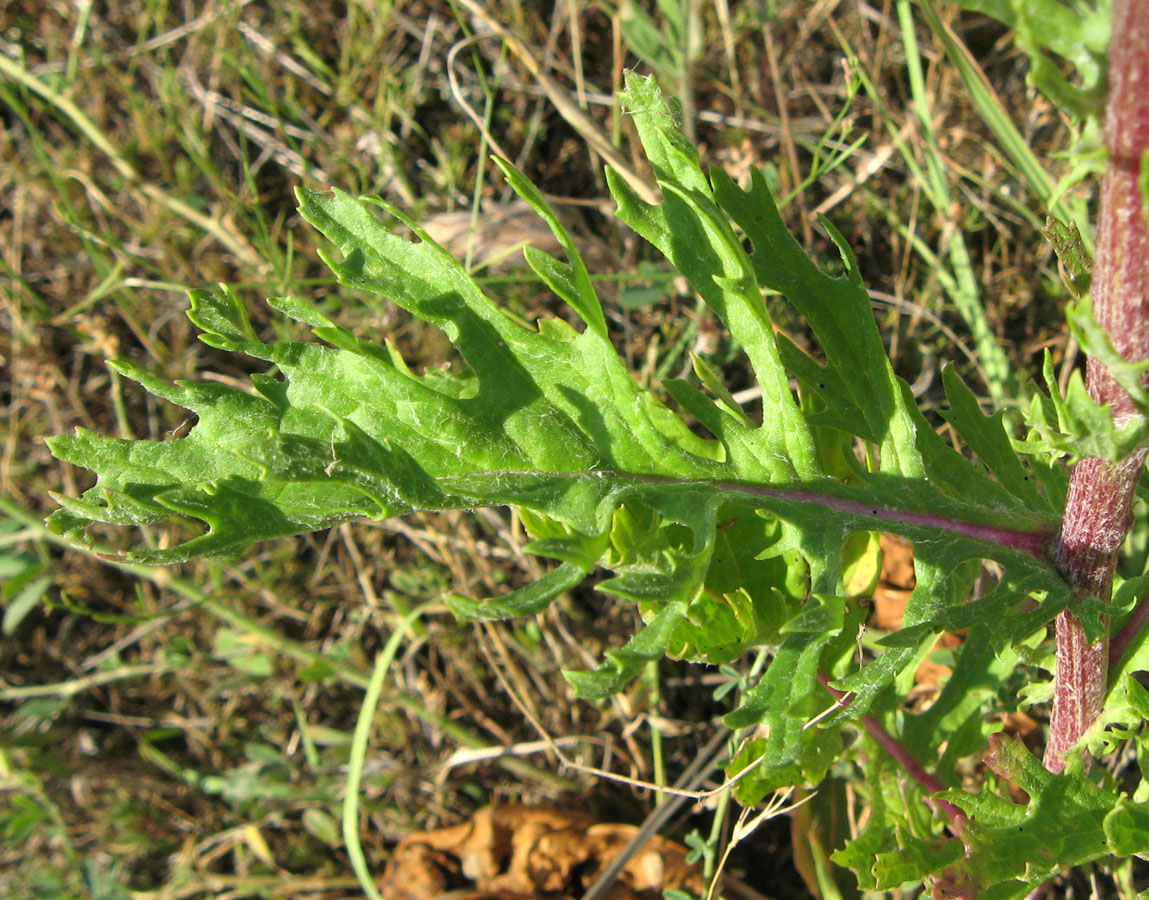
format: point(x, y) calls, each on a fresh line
point(1070, 249)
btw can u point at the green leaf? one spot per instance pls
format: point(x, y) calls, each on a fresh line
point(746, 537)
point(1072, 426)
point(621, 666)
point(988, 438)
point(25, 600)
point(1005, 849)
point(1072, 253)
point(1143, 184)
point(1096, 343)
point(1076, 32)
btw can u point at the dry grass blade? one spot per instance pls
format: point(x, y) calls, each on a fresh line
point(574, 114)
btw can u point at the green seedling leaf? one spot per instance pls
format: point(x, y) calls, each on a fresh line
point(670, 50)
point(322, 825)
point(236, 650)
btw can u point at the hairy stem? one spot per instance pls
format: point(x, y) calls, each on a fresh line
point(1097, 514)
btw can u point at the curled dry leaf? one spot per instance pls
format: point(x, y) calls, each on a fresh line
point(536, 853)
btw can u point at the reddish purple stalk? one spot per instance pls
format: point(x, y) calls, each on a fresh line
point(956, 816)
point(1097, 514)
point(1121, 641)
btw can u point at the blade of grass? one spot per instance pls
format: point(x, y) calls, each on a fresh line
point(79, 685)
point(236, 244)
point(964, 292)
point(654, 699)
point(578, 119)
point(1012, 143)
point(359, 749)
point(958, 280)
point(344, 671)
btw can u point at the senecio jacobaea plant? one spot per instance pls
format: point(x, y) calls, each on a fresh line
point(749, 537)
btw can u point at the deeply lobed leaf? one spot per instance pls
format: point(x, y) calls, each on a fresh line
point(1007, 849)
point(549, 420)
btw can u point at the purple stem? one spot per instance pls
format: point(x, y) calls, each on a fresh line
point(1097, 513)
point(1121, 641)
point(911, 765)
